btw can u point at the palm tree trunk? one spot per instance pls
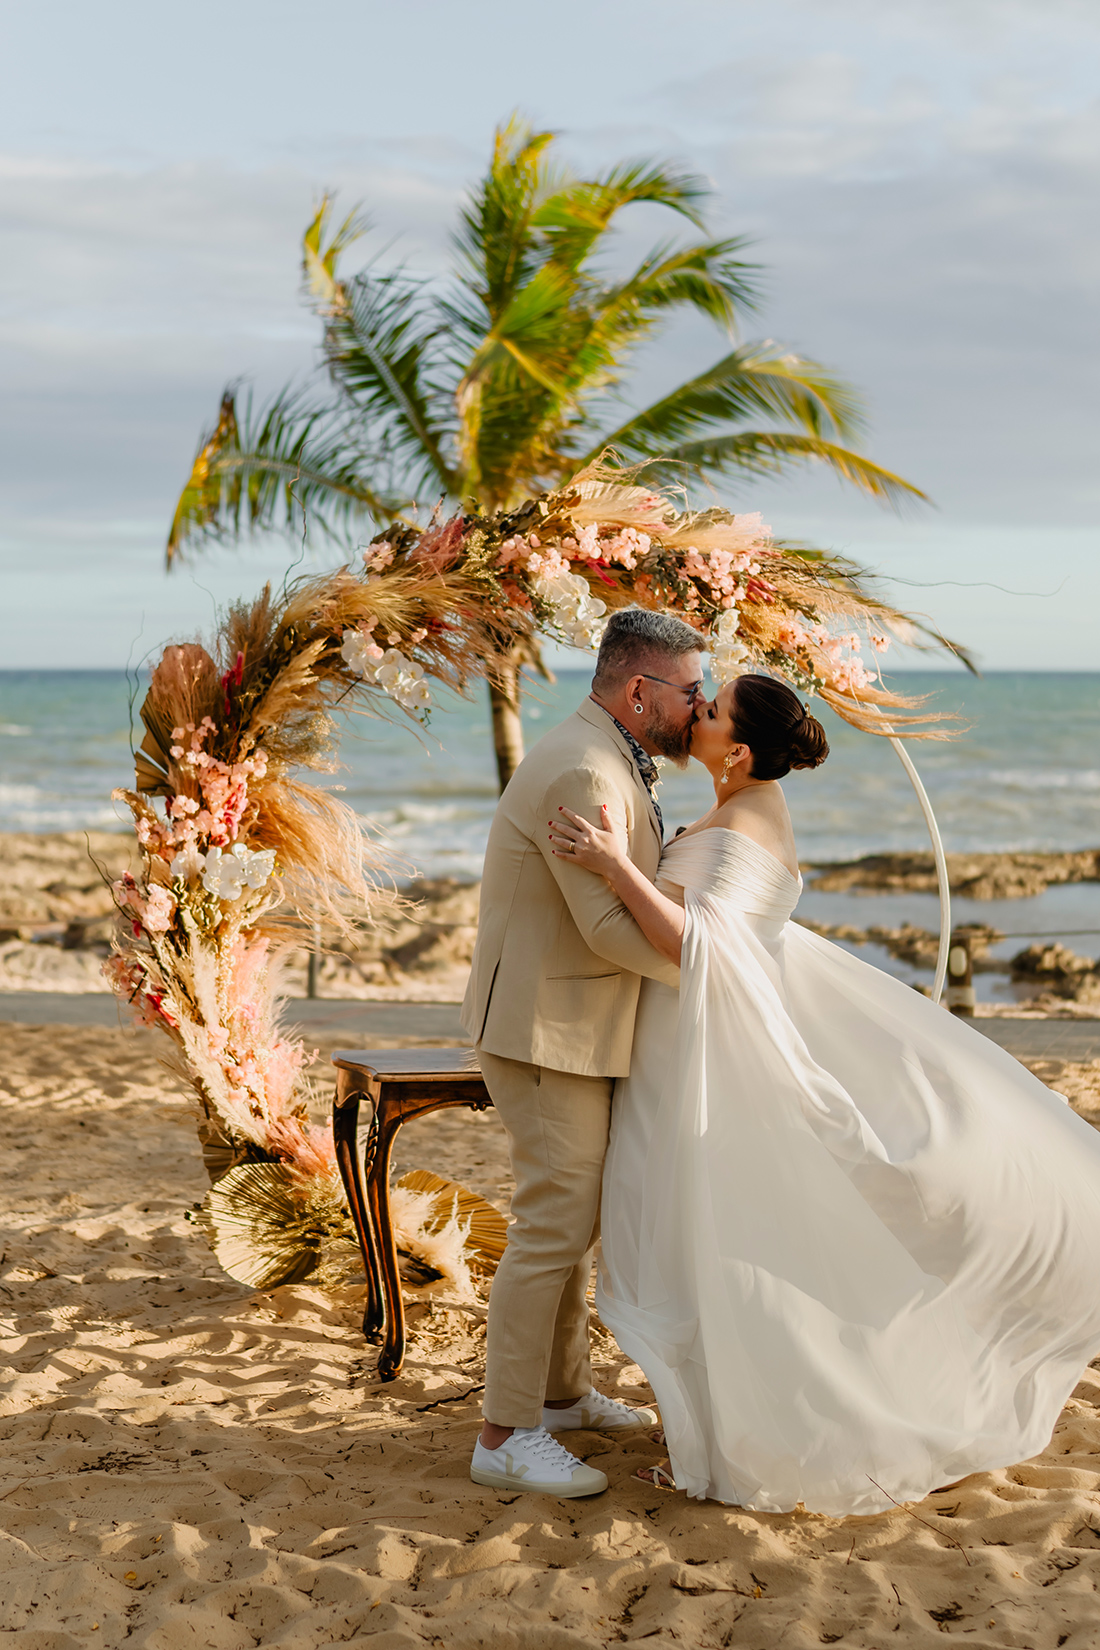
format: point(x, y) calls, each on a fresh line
point(507, 726)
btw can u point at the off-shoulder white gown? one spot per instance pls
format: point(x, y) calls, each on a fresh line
point(853, 1244)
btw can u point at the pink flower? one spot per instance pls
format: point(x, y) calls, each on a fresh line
point(125, 890)
point(626, 547)
point(160, 910)
point(791, 635)
point(549, 565)
point(850, 676)
point(377, 557)
point(510, 551)
point(122, 975)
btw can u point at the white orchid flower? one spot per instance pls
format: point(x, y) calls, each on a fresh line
point(223, 875)
point(257, 863)
point(228, 874)
point(361, 654)
point(188, 863)
point(576, 612)
point(403, 679)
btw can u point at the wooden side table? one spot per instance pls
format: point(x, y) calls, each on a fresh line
point(400, 1084)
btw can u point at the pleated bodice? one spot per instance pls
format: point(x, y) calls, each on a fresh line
point(721, 864)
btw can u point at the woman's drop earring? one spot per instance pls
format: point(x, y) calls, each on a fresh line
point(726, 766)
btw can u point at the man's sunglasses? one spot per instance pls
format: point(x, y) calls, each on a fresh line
point(689, 692)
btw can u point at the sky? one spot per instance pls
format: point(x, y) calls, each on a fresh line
point(919, 179)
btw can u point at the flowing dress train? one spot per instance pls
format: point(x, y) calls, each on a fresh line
point(853, 1244)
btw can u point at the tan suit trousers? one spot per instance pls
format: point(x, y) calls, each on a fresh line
point(538, 1344)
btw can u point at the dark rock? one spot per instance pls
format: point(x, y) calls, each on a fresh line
point(974, 876)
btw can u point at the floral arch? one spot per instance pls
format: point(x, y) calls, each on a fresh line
point(238, 851)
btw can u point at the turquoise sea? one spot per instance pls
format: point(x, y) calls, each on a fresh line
point(1023, 771)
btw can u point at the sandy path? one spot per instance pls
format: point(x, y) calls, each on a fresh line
point(187, 1463)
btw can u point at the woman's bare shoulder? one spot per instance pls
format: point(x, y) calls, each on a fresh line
point(764, 819)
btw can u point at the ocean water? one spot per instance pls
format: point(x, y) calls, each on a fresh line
point(1022, 771)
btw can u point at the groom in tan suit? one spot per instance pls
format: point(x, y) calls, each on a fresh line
point(550, 1006)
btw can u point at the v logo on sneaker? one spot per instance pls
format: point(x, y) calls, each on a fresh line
point(514, 1471)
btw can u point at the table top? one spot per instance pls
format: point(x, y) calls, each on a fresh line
point(411, 1064)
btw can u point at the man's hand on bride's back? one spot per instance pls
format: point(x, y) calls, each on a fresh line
point(601, 848)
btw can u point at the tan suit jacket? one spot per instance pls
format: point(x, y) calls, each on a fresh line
point(559, 959)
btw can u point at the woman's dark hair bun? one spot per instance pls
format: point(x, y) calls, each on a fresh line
point(778, 729)
point(809, 746)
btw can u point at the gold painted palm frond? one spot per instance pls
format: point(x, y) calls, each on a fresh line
point(486, 1228)
point(262, 1230)
point(269, 1227)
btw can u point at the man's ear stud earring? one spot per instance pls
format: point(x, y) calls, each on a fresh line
point(638, 710)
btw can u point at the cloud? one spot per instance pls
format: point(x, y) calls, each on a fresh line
point(920, 179)
point(941, 251)
point(131, 295)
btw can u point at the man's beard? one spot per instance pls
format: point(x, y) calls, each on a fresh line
point(671, 740)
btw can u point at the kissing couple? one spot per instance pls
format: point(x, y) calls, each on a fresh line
point(853, 1245)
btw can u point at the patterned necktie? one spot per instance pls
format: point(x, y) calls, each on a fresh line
point(647, 767)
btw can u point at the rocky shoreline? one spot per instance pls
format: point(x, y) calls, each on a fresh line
point(972, 876)
point(1053, 978)
point(56, 916)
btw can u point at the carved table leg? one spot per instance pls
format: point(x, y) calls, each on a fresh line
point(377, 1313)
point(345, 1122)
point(384, 1129)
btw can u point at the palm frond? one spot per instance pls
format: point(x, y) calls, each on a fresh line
point(321, 251)
point(575, 217)
point(774, 452)
point(755, 379)
point(494, 237)
point(384, 349)
point(707, 277)
point(520, 384)
point(536, 332)
point(290, 463)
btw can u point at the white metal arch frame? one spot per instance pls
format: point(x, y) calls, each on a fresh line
point(941, 867)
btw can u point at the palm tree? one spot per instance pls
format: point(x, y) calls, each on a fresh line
point(505, 379)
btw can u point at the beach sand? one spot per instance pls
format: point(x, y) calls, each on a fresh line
point(190, 1463)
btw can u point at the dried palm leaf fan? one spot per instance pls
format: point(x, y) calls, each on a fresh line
point(261, 1230)
point(265, 1232)
point(485, 1228)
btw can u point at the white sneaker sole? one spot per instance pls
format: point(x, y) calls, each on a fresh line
point(588, 1482)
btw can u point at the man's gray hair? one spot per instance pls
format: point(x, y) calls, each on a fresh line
point(637, 640)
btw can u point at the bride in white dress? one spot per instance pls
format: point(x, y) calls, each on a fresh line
point(853, 1244)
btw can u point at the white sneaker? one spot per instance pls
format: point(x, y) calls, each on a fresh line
point(597, 1413)
point(531, 1460)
